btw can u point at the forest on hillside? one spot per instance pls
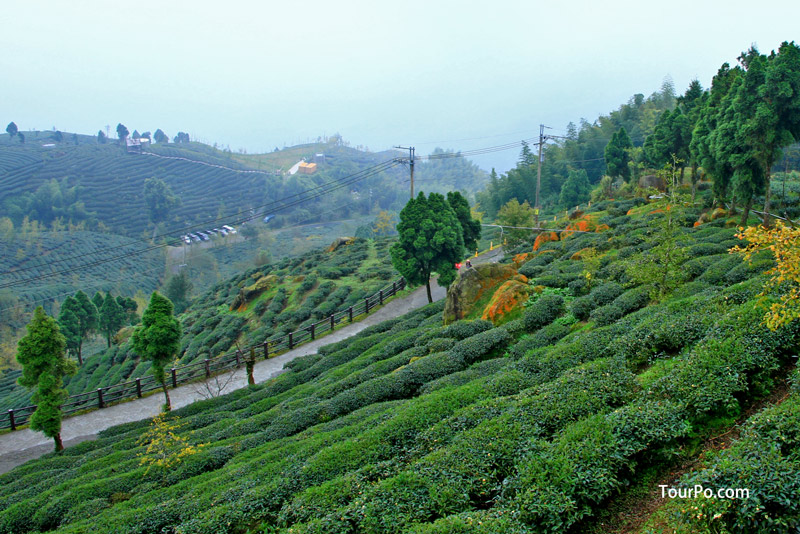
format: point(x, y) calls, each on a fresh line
point(736, 134)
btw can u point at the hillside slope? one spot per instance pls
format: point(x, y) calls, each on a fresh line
point(531, 425)
point(296, 291)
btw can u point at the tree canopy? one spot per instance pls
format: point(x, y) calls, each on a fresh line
point(430, 240)
point(41, 354)
point(112, 317)
point(616, 155)
point(159, 199)
point(158, 338)
point(576, 189)
point(122, 132)
point(470, 228)
point(515, 214)
point(12, 129)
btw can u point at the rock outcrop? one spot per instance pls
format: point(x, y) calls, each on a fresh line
point(471, 285)
point(251, 292)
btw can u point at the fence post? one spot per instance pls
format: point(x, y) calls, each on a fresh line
point(366, 305)
point(208, 368)
point(238, 358)
point(100, 398)
point(174, 378)
point(311, 329)
point(266, 349)
point(394, 288)
point(380, 296)
point(291, 341)
point(350, 311)
point(11, 419)
point(139, 387)
point(333, 322)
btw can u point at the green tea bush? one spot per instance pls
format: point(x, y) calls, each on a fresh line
point(581, 307)
point(464, 329)
point(764, 461)
point(633, 299)
point(547, 335)
point(543, 311)
point(606, 315)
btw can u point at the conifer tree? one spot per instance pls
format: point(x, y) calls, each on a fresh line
point(86, 313)
point(41, 354)
point(70, 326)
point(471, 229)
point(158, 338)
point(112, 317)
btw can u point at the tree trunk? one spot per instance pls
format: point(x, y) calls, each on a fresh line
point(694, 180)
point(746, 211)
point(59, 443)
point(108, 340)
point(428, 287)
point(80, 358)
point(168, 403)
point(250, 364)
point(767, 197)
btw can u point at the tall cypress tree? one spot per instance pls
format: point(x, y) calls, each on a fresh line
point(470, 228)
point(158, 338)
point(112, 317)
point(41, 354)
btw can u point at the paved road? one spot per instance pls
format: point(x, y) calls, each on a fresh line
point(20, 446)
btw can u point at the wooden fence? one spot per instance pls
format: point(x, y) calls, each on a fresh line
point(102, 397)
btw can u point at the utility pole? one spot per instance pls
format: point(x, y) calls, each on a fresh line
point(411, 151)
point(542, 139)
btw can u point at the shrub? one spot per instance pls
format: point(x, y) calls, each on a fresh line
point(464, 329)
point(581, 307)
point(633, 299)
point(605, 293)
point(547, 335)
point(543, 311)
point(606, 315)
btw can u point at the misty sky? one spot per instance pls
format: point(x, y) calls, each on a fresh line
point(261, 74)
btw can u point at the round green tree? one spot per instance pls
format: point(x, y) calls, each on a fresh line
point(44, 364)
point(431, 240)
point(158, 338)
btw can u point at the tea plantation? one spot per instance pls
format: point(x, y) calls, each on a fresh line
point(300, 291)
point(533, 425)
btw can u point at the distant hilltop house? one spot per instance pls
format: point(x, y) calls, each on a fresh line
point(134, 146)
point(303, 168)
point(307, 168)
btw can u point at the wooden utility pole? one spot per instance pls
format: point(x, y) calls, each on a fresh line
point(411, 151)
point(538, 206)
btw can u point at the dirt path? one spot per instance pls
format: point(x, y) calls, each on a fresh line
point(20, 446)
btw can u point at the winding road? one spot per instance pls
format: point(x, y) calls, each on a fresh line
point(20, 446)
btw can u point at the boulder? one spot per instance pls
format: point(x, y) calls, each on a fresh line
point(471, 285)
point(339, 242)
point(251, 292)
point(507, 301)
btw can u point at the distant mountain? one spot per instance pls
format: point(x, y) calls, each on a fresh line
point(101, 186)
